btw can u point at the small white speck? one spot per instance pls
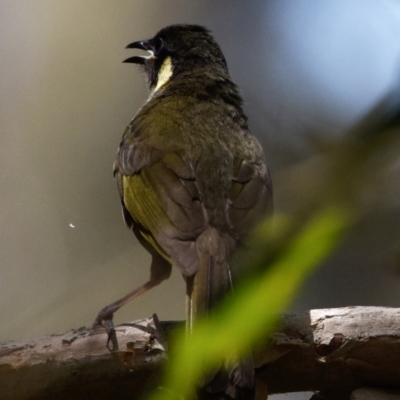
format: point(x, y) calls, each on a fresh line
point(71, 225)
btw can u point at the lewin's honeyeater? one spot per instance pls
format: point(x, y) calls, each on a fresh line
point(192, 178)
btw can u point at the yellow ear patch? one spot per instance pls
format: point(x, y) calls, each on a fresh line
point(164, 74)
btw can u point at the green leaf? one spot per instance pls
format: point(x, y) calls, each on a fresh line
point(250, 313)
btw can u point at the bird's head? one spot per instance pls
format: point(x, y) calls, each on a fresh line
point(176, 49)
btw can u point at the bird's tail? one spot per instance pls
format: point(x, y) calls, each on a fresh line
point(234, 379)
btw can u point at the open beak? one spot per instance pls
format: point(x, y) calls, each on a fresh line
point(142, 45)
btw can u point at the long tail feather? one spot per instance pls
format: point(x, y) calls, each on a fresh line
point(234, 379)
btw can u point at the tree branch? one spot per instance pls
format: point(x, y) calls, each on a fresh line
point(326, 350)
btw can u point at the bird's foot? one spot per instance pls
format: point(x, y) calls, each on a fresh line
point(105, 318)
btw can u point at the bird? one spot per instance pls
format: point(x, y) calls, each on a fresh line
point(192, 180)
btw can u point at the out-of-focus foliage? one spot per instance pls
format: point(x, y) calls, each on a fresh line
point(334, 191)
point(250, 313)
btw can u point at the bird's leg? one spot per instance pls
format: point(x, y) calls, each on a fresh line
point(105, 316)
point(160, 270)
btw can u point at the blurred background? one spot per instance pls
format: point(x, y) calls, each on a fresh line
point(306, 69)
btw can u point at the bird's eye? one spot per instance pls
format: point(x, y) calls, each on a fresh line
point(158, 45)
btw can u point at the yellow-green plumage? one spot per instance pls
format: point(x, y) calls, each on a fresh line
point(144, 206)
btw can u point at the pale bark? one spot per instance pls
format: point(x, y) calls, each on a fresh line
point(326, 350)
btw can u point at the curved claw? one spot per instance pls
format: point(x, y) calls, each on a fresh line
point(105, 319)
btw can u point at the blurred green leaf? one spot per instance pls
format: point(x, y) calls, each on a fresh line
point(246, 316)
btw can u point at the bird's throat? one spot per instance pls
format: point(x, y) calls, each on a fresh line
point(164, 74)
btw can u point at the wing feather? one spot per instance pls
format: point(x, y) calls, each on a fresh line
point(250, 196)
point(163, 200)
